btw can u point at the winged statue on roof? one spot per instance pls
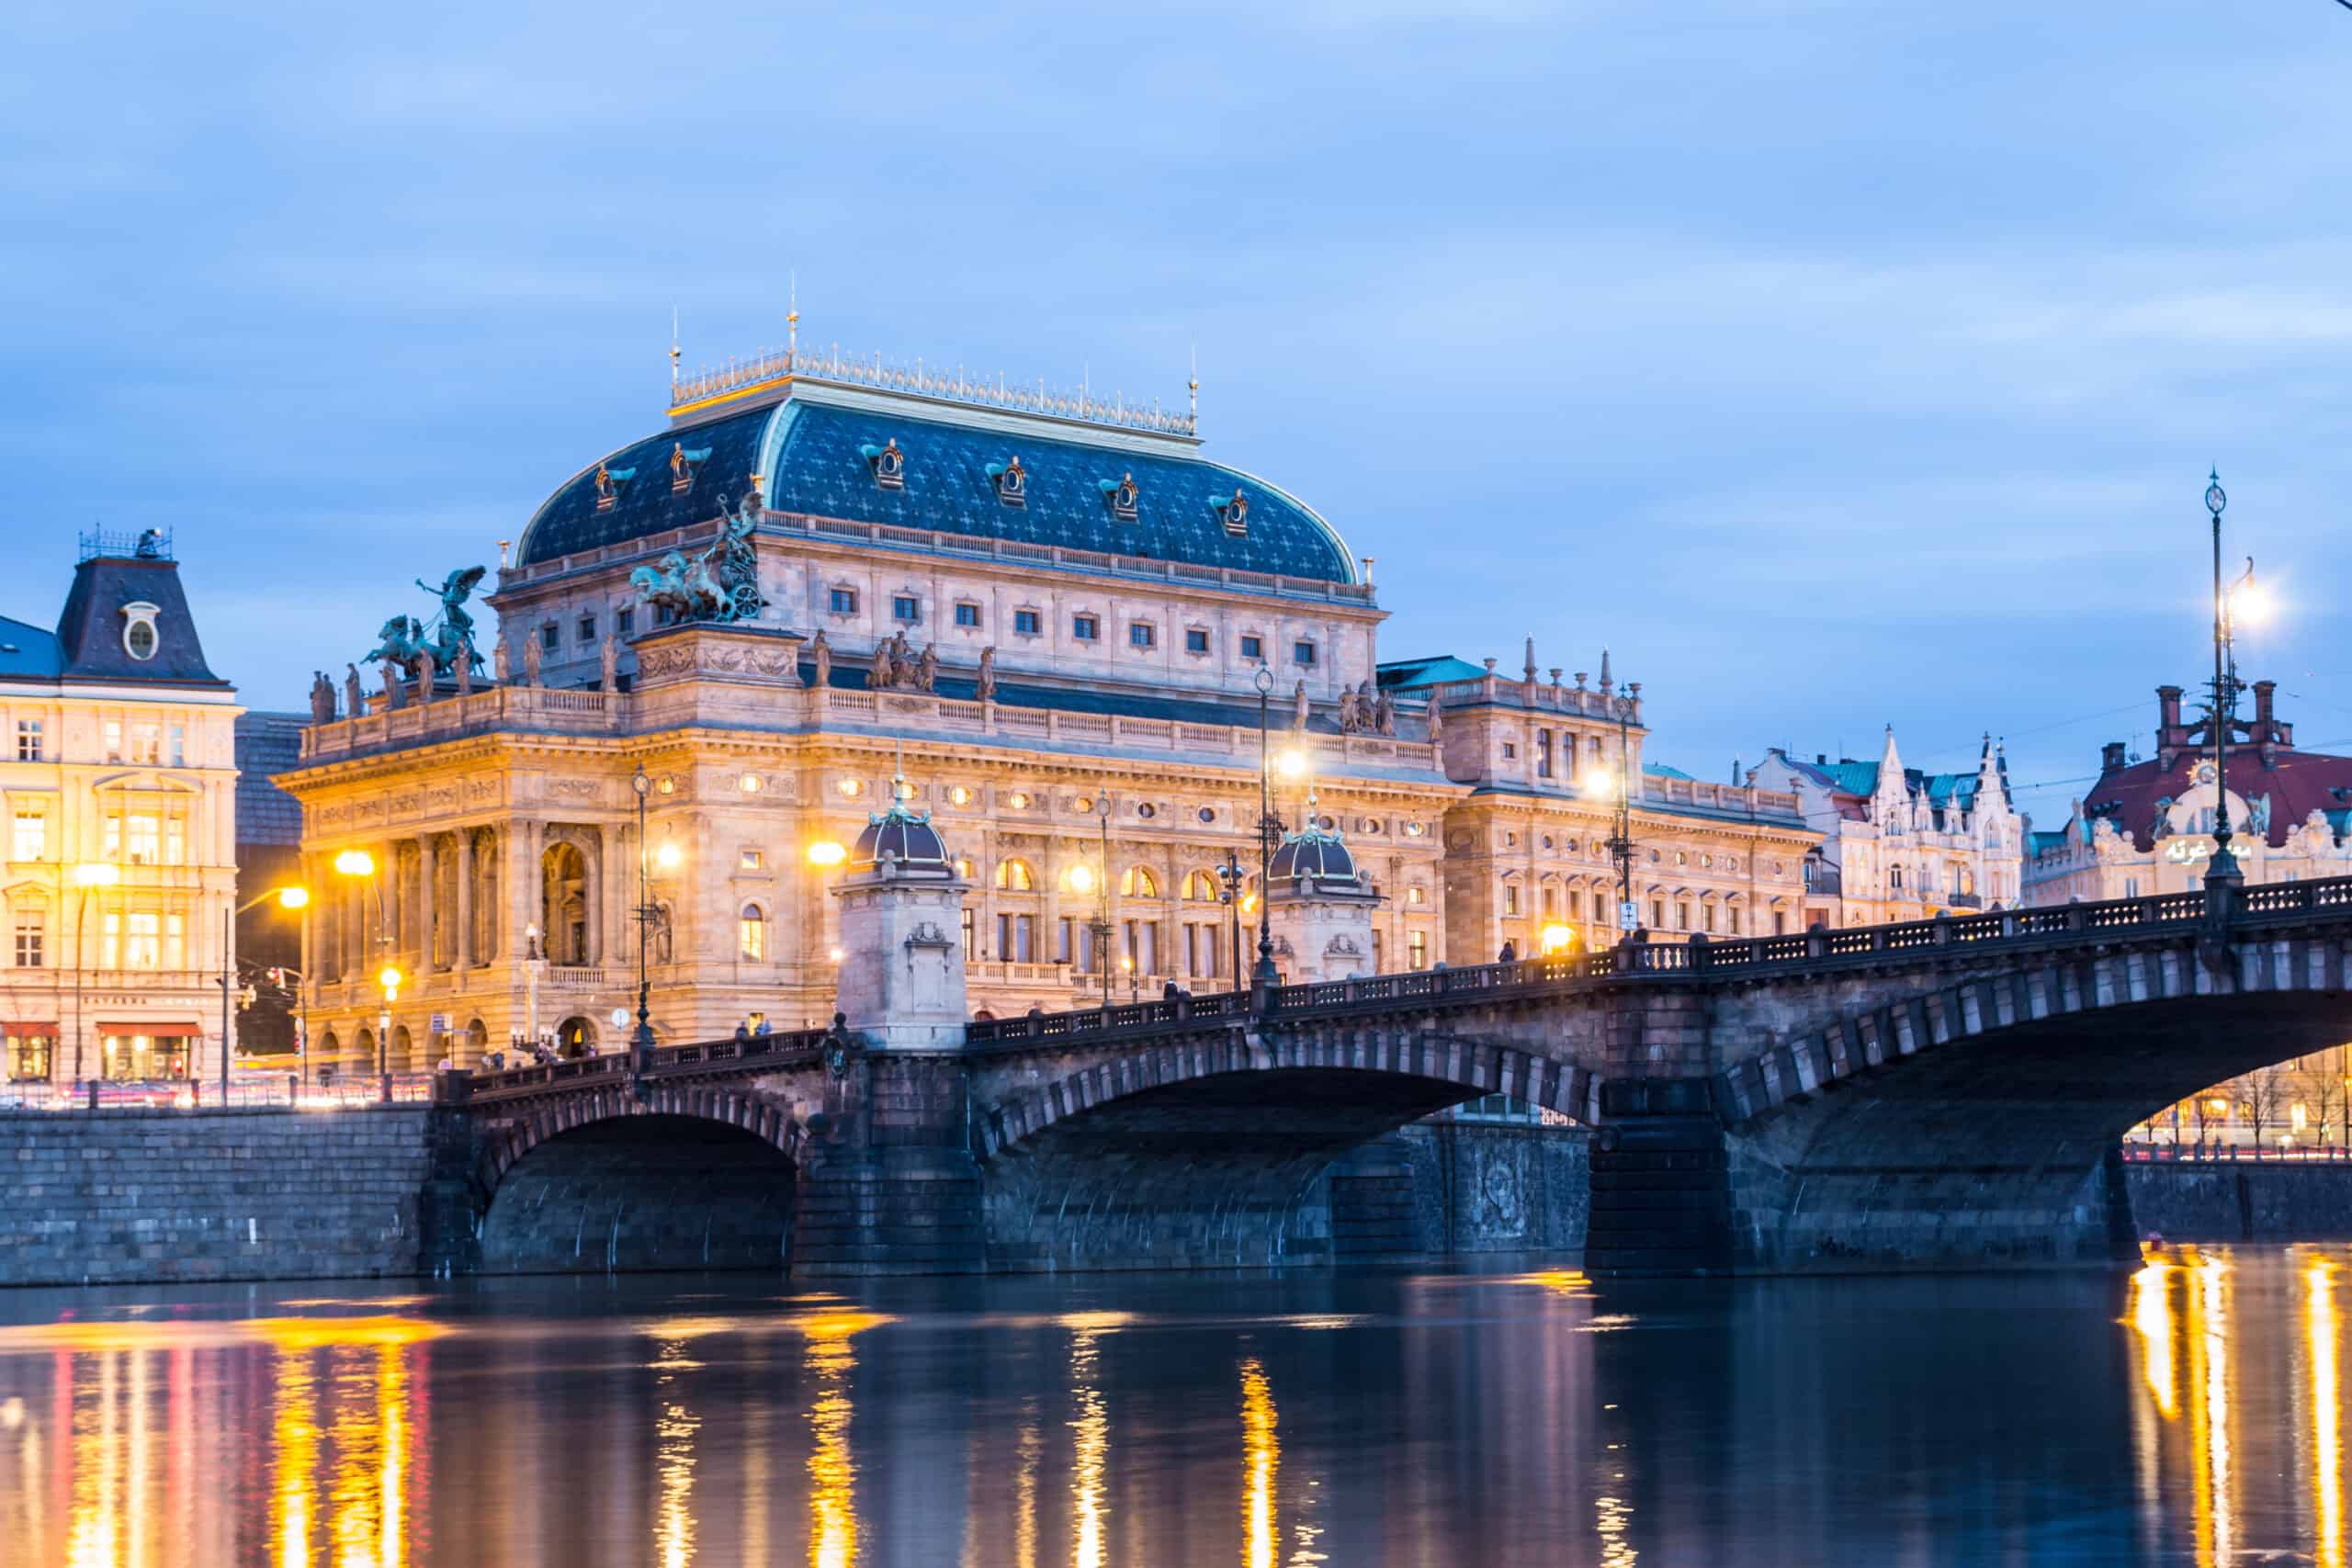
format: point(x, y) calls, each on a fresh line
point(719, 584)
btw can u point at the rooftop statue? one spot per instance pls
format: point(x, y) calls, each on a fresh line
point(450, 635)
point(720, 584)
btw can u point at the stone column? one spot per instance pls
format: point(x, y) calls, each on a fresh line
point(522, 884)
point(427, 950)
point(592, 894)
point(465, 945)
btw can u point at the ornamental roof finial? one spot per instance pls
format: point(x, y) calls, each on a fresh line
point(1192, 388)
point(791, 317)
point(673, 354)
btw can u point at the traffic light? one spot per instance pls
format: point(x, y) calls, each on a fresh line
point(277, 977)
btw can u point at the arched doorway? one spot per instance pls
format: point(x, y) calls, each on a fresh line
point(403, 1058)
point(563, 903)
point(475, 1041)
point(576, 1036)
point(364, 1056)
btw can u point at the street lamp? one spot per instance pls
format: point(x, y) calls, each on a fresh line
point(390, 978)
point(1620, 842)
point(1102, 926)
point(642, 1041)
point(1263, 976)
point(86, 875)
point(2221, 871)
point(286, 898)
point(1230, 874)
point(361, 865)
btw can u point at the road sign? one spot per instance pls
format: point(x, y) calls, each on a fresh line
point(440, 1024)
point(1628, 919)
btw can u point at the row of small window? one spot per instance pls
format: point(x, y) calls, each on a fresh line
point(1204, 947)
point(157, 745)
point(1603, 904)
point(1543, 745)
point(624, 624)
point(907, 609)
point(134, 837)
point(123, 1058)
point(136, 939)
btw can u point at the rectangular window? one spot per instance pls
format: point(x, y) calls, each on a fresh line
point(1706, 917)
point(1141, 635)
point(113, 730)
point(1014, 938)
point(1061, 940)
point(179, 746)
point(143, 946)
point(843, 600)
point(1576, 904)
point(1657, 914)
point(31, 941)
point(28, 741)
point(1682, 917)
point(549, 635)
point(905, 607)
point(747, 860)
point(1511, 898)
point(624, 619)
point(1510, 751)
point(1253, 647)
point(1085, 628)
point(175, 941)
point(588, 627)
point(1779, 922)
point(147, 743)
point(1196, 641)
point(751, 935)
point(968, 614)
point(1302, 652)
point(143, 840)
point(1027, 622)
point(111, 836)
point(1417, 949)
point(969, 915)
point(175, 841)
point(30, 842)
point(1542, 754)
point(1733, 911)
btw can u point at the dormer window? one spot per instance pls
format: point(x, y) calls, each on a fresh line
point(1122, 495)
point(888, 464)
point(684, 462)
point(139, 636)
point(1012, 482)
point(1234, 514)
point(610, 483)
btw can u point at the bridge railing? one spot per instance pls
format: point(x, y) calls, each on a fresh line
point(744, 1055)
point(1701, 955)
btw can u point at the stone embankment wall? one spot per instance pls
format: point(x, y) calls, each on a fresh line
point(2241, 1199)
point(139, 1197)
point(1449, 1188)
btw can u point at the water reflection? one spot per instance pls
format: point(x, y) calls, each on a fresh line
point(2191, 1413)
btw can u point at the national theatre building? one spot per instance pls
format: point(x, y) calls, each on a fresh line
point(1052, 624)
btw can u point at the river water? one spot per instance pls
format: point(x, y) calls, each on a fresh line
point(2194, 1413)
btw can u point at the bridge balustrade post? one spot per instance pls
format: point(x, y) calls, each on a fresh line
point(1816, 941)
point(1945, 930)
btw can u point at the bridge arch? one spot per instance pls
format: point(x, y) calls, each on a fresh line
point(1212, 1150)
point(603, 1182)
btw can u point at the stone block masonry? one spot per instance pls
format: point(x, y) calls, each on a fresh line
point(154, 1197)
point(2241, 1199)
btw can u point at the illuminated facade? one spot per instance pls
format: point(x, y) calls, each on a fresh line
point(1048, 616)
point(1901, 844)
point(118, 783)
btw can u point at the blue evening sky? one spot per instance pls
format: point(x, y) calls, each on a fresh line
point(1834, 362)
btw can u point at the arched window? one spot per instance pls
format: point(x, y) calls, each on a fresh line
point(751, 933)
point(1014, 876)
point(1895, 876)
point(1138, 882)
point(1201, 886)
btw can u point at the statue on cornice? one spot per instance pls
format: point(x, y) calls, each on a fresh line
point(502, 661)
point(455, 637)
point(609, 664)
point(1383, 715)
point(428, 671)
point(353, 702)
point(1299, 703)
point(927, 668)
point(883, 673)
point(986, 684)
point(466, 677)
point(530, 661)
point(1436, 720)
point(1350, 721)
point(322, 698)
point(395, 686)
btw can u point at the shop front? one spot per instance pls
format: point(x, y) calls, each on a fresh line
point(145, 1051)
point(27, 1051)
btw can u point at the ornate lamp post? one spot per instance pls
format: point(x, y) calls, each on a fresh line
point(360, 863)
point(291, 898)
point(1230, 874)
point(1620, 841)
point(642, 1039)
point(2221, 871)
point(86, 875)
point(1263, 976)
point(1102, 922)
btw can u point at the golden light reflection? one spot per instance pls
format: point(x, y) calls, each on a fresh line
point(294, 1441)
point(94, 1539)
point(2209, 1384)
point(2322, 1327)
point(2152, 1316)
point(1616, 1549)
point(1028, 1447)
point(1261, 1455)
point(83, 1337)
point(674, 1437)
point(832, 1469)
point(1090, 1432)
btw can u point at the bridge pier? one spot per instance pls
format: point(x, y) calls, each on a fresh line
point(1661, 1182)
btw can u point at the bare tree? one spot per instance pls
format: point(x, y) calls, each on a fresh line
point(2265, 1093)
point(2203, 1104)
point(2323, 1091)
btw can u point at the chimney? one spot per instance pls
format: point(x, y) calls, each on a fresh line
point(2111, 757)
point(1821, 759)
point(2171, 740)
point(2265, 729)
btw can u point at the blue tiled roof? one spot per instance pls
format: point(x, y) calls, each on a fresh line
point(27, 652)
point(1662, 771)
point(812, 455)
point(1432, 671)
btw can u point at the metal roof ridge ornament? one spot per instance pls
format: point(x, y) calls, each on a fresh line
point(735, 376)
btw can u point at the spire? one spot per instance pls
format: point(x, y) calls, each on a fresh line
point(1192, 388)
point(674, 351)
point(1604, 670)
point(1890, 764)
point(792, 318)
point(1531, 659)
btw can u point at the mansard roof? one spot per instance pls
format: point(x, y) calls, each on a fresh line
point(108, 591)
point(29, 652)
point(816, 451)
point(2297, 782)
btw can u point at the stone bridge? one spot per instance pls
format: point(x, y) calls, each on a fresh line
point(1945, 1093)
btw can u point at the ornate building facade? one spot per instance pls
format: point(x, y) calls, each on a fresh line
point(118, 785)
point(1901, 844)
point(1051, 626)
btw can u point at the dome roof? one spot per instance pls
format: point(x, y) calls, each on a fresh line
point(1316, 855)
point(906, 838)
point(1114, 494)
